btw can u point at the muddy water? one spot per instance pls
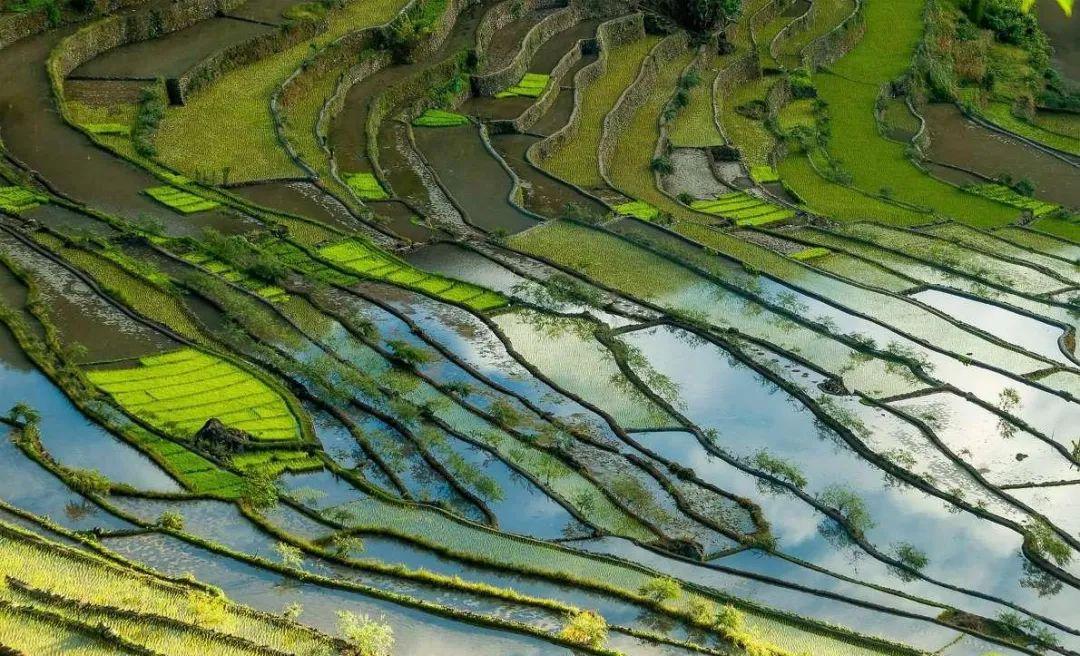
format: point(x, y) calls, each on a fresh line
point(473, 177)
point(559, 113)
point(543, 194)
point(416, 633)
point(300, 198)
point(82, 316)
point(692, 175)
point(68, 221)
point(506, 42)
point(171, 55)
point(545, 60)
point(957, 141)
point(1064, 33)
point(36, 134)
point(348, 130)
point(410, 180)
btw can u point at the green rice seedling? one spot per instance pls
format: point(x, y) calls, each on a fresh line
point(15, 200)
point(639, 209)
point(1010, 197)
point(811, 253)
point(366, 186)
point(956, 256)
point(1001, 114)
point(641, 274)
point(694, 126)
point(987, 243)
point(182, 201)
point(530, 86)
point(439, 118)
point(149, 391)
point(147, 610)
point(370, 262)
point(565, 350)
point(1039, 242)
point(744, 209)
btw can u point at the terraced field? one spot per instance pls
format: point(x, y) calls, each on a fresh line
point(539, 327)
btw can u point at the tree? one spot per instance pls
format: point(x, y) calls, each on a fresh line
point(661, 589)
point(370, 637)
point(585, 627)
point(290, 556)
point(698, 16)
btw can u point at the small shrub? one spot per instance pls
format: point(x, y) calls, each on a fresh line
point(171, 520)
point(585, 627)
point(370, 637)
point(662, 165)
point(662, 589)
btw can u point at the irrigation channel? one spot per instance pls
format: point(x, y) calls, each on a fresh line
point(523, 327)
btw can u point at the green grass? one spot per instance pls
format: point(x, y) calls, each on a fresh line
point(366, 186)
point(840, 202)
point(178, 392)
point(369, 262)
point(229, 125)
point(439, 118)
point(695, 125)
point(180, 200)
point(754, 141)
point(530, 86)
point(1006, 195)
point(15, 200)
point(797, 113)
point(576, 161)
point(881, 166)
point(108, 128)
point(830, 14)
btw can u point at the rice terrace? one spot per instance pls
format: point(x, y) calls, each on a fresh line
point(539, 327)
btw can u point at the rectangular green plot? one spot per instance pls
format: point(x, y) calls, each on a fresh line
point(15, 200)
point(486, 301)
point(763, 173)
point(366, 186)
point(180, 200)
point(530, 86)
point(439, 118)
point(750, 212)
point(435, 285)
point(407, 276)
point(1010, 197)
point(774, 216)
point(184, 395)
point(638, 209)
point(810, 253)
